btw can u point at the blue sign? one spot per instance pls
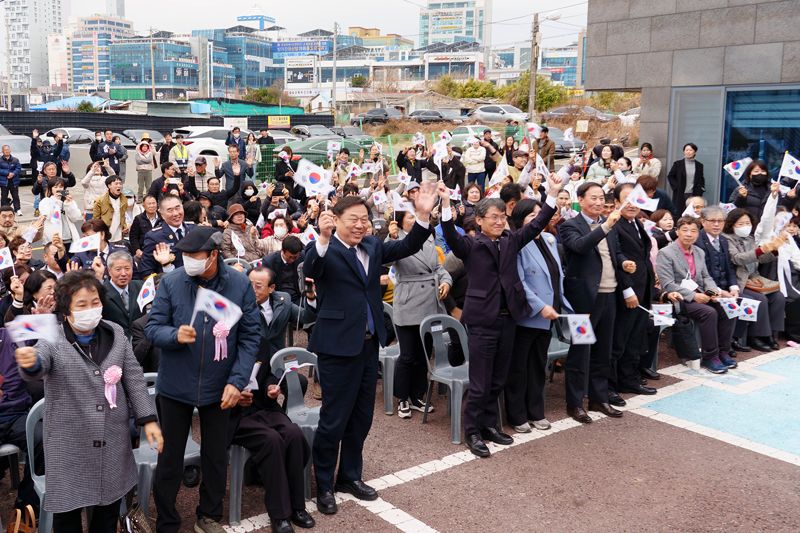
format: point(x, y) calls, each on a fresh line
point(284, 49)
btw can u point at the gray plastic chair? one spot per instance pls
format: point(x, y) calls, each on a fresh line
point(387, 357)
point(297, 411)
point(35, 416)
point(456, 378)
point(558, 349)
point(239, 456)
point(147, 458)
point(12, 453)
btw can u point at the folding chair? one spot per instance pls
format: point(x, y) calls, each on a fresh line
point(558, 349)
point(387, 357)
point(35, 416)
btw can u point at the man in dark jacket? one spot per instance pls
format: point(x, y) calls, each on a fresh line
point(108, 150)
point(143, 223)
point(495, 300)
point(158, 251)
point(163, 154)
point(235, 139)
point(286, 264)
point(93, 152)
point(199, 370)
point(119, 303)
point(265, 137)
point(491, 149)
point(10, 171)
point(170, 175)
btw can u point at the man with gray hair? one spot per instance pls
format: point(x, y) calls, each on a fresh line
point(122, 291)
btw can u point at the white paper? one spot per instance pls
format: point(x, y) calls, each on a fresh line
point(689, 284)
point(253, 384)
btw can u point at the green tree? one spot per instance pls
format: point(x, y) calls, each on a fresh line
point(359, 81)
point(272, 95)
point(548, 95)
point(86, 107)
point(447, 86)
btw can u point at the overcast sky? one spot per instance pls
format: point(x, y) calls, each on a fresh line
point(391, 16)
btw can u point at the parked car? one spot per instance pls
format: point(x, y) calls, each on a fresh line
point(630, 117)
point(353, 133)
point(206, 140)
point(71, 135)
point(563, 147)
point(580, 111)
point(316, 149)
point(426, 116)
point(379, 115)
point(4, 131)
point(136, 135)
point(463, 133)
point(21, 149)
point(283, 137)
point(498, 113)
point(127, 142)
point(317, 131)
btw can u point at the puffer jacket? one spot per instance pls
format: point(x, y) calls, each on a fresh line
point(9, 166)
point(145, 160)
point(474, 159)
point(94, 186)
point(188, 373)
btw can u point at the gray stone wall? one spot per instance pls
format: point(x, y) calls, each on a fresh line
point(653, 45)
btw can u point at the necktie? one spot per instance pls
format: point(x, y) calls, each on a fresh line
point(363, 272)
point(103, 257)
point(715, 244)
point(180, 233)
point(125, 298)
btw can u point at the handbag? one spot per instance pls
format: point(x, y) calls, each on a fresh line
point(683, 336)
point(762, 285)
point(134, 520)
point(22, 522)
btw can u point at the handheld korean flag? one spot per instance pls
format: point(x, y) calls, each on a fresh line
point(276, 213)
point(534, 130)
point(392, 275)
point(6, 261)
point(404, 178)
point(690, 212)
point(622, 178)
point(334, 146)
point(217, 307)
point(379, 197)
point(648, 226)
point(727, 208)
point(749, 310)
point(737, 168)
point(445, 136)
point(283, 156)
point(440, 153)
point(455, 194)
point(312, 178)
point(33, 328)
point(237, 243)
point(580, 329)
point(309, 235)
point(353, 171)
point(92, 242)
point(662, 315)
point(524, 146)
point(526, 175)
point(379, 146)
point(419, 138)
point(499, 174)
point(147, 294)
point(790, 167)
point(563, 173)
point(730, 306)
point(55, 218)
point(401, 204)
point(292, 368)
point(541, 168)
point(639, 199)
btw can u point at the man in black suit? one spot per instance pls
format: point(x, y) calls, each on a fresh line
point(286, 263)
point(279, 449)
point(590, 285)
point(157, 254)
point(636, 279)
point(119, 304)
point(495, 300)
point(346, 267)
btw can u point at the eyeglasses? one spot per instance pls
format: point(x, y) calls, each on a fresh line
point(715, 220)
point(497, 218)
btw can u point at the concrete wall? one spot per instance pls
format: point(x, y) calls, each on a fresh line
point(653, 45)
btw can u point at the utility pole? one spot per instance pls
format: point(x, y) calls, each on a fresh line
point(152, 68)
point(333, 90)
point(534, 66)
point(8, 58)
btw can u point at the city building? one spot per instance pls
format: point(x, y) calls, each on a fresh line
point(60, 59)
point(28, 23)
point(517, 56)
point(183, 66)
point(249, 52)
point(115, 8)
point(371, 37)
point(450, 21)
point(564, 64)
point(90, 45)
point(726, 79)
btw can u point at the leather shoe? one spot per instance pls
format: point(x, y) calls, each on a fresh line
point(773, 343)
point(281, 526)
point(739, 347)
point(477, 446)
point(616, 399)
point(492, 435)
point(577, 413)
point(760, 345)
point(326, 503)
point(359, 489)
point(637, 389)
point(302, 519)
point(649, 373)
point(605, 408)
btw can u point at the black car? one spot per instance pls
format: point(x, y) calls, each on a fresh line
point(379, 115)
point(564, 147)
point(426, 116)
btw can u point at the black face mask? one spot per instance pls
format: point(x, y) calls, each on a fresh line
point(758, 179)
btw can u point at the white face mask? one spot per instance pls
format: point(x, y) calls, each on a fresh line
point(280, 232)
point(131, 201)
point(194, 267)
point(86, 320)
point(249, 192)
point(743, 231)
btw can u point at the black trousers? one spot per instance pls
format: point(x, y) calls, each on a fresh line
point(14, 195)
point(490, 348)
point(105, 519)
point(630, 336)
point(716, 329)
point(280, 453)
point(770, 318)
point(12, 431)
point(345, 418)
point(176, 422)
point(649, 354)
point(411, 371)
point(594, 359)
point(525, 386)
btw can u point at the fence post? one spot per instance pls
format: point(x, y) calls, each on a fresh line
point(391, 154)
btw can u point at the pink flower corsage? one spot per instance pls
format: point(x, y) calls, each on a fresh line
point(111, 377)
point(220, 332)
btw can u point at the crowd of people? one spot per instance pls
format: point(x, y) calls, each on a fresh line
point(486, 234)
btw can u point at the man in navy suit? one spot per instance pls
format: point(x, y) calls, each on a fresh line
point(346, 267)
point(157, 254)
point(495, 301)
point(590, 284)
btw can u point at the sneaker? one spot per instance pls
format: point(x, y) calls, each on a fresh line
point(419, 405)
point(19, 212)
point(714, 365)
point(36, 212)
point(727, 361)
point(207, 525)
point(541, 425)
point(523, 428)
point(404, 409)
